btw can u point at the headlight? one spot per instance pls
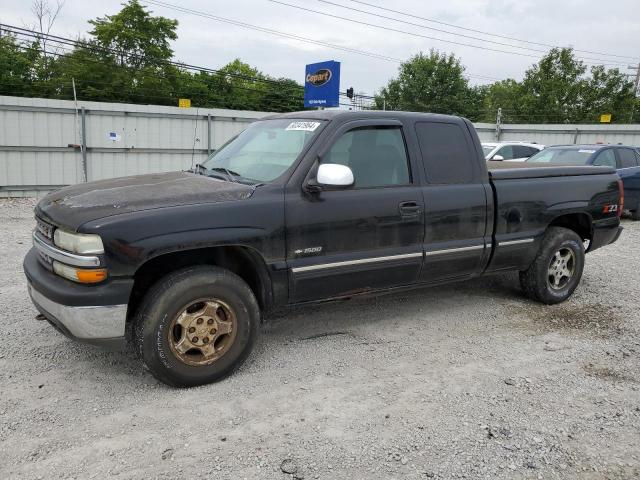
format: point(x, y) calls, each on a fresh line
point(80, 275)
point(80, 243)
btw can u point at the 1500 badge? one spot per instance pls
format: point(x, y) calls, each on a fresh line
point(308, 251)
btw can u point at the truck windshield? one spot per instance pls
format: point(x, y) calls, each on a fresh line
point(562, 156)
point(264, 151)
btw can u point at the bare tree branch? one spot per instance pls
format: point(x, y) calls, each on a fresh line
point(46, 16)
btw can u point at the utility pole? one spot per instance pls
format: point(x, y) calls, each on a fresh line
point(636, 84)
point(498, 124)
point(636, 87)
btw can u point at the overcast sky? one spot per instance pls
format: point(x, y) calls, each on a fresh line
point(610, 27)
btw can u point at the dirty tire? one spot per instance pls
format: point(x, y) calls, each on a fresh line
point(535, 281)
point(165, 301)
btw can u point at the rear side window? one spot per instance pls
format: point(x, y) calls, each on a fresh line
point(606, 158)
point(445, 152)
point(627, 158)
point(524, 152)
point(506, 152)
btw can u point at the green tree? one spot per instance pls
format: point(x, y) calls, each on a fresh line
point(16, 66)
point(428, 83)
point(608, 91)
point(560, 89)
point(553, 89)
point(139, 38)
point(507, 95)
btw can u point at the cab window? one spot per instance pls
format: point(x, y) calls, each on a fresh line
point(377, 156)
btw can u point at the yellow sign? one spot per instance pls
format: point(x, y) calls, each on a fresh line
point(605, 118)
point(184, 102)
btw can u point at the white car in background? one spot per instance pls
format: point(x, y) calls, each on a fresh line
point(510, 151)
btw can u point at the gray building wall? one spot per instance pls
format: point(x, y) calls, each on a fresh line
point(41, 140)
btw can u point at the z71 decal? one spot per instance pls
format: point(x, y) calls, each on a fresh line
point(610, 209)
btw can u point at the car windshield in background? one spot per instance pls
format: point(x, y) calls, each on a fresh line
point(486, 149)
point(562, 156)
point(263, 152)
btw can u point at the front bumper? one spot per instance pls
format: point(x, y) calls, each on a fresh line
point(88, 313)
point(90, 323)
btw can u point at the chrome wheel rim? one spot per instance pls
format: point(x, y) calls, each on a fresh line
point(561, 268)
point(202, 331)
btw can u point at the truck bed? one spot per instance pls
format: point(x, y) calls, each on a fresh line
point(512, 170)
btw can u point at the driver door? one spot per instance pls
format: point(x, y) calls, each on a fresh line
point(364, 237)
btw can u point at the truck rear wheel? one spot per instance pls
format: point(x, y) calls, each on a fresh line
point(196, 326)
point(557, 268)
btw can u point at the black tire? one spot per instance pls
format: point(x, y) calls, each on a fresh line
point(535, 281)
point(635, 214)
point(155, 321)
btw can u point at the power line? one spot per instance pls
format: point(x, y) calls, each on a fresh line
point(271, 102)
point(481, 31)
point(270, 31)
point(414, 34)
point(283, 34)
point(93, 47)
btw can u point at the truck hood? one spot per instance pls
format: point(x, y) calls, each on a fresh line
point(75, 205)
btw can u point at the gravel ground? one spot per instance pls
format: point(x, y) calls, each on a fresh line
point(463, 381)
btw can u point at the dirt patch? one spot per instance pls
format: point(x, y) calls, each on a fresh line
point(607, 373)
point(604, 320)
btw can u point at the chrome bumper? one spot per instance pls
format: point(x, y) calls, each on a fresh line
point(83, 323)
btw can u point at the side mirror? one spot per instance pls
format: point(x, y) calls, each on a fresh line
point(334, 175)
point(497, 158)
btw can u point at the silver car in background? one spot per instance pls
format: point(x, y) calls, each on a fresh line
point(510, 151)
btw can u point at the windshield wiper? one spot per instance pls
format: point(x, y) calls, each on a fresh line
point(230, 175)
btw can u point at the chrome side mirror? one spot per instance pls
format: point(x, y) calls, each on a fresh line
point(334, 175)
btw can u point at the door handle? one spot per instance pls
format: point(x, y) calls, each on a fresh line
point(409, 209)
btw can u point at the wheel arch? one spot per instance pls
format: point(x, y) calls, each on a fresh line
point(579, 222)
point(244, 261)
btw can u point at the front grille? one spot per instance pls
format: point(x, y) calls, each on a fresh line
point(44, 229)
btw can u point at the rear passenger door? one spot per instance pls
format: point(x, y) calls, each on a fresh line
point(457, 199)
point(629, 172)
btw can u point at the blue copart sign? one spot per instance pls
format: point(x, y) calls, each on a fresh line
point(322, 84)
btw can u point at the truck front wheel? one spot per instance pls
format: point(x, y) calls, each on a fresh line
point(196, 326)
point(557, 268)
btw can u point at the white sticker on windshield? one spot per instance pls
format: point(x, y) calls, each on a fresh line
point(305, 126)
point(586, 151)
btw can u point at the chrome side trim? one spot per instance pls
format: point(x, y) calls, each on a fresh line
point(454, 250)
point(355, 262)
point(516, 242)
point(65, 257)
point(86, 323)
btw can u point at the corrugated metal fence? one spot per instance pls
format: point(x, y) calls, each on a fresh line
point(45, 144)
point(546, 134)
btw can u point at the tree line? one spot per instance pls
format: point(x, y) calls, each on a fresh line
point(127, 57)
point(558, 89)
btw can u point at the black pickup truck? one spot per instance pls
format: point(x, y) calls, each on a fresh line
point(304, 207)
